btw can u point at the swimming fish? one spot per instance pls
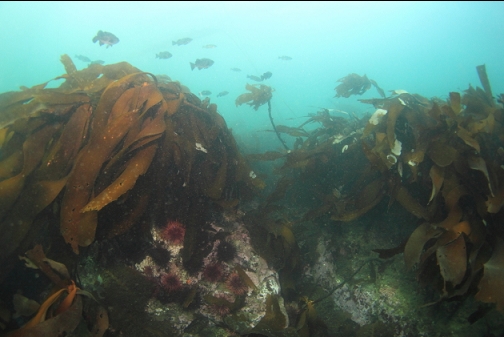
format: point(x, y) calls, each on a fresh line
point(205, 93)
point(201, 64)
point(263, 77)
point(164, 55)
point(181, 42)
point(222, 93)
point(83, 58)
point(105, 38)
point(285, 58)
point(266, 75)
point(235, 69)
point(209, 46)
point(255, 78)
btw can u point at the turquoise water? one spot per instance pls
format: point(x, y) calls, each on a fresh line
point(429, 48)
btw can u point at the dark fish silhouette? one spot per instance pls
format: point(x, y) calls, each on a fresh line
point(205, 93)
point(83, 58)
point(261, 78)
point(164, 55)
point(235, 69)
point(285, 58)
point(255, 78)
point(201, 64)
point(105, 38)
point(181, 42)
point(266, 75)
point(222, 93)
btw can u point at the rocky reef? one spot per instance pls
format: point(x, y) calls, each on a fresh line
point(127, 209)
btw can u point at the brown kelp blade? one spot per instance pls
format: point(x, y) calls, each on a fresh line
point(452, 260)
point(136, 167)
point(492, 283)
point(33, 150)
point(79, 228)
point(482, 74)
point(34, 199)
point(256, 97)
point(352, 84)
point(60, 325)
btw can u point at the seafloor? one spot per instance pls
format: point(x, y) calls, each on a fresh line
point(154, 221)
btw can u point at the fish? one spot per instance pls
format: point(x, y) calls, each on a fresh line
point(181, 42)
point(205, 93)
point(97, 62)
point(255, 78)
point(83, 58)
point(201, 64)
point(222, 93)
point(236, 69)
point(285, 58)
point(105, 38)
point(209, 46)
point(164, 55)
point(266, 75)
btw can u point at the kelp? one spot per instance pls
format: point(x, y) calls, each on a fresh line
point(490, 286)
point(267, 156)
point(78, 222)
point(291, 131)
point(324, 117)
point(259, 94)
point(46, 181)
point(439, 160)
point(436, 175)
point(103, 150)
point(483, 77)
point(274, 321)
point(368, 198)
point(63, 323)
point(353, 84)
point(455, 155)
point(68, 311)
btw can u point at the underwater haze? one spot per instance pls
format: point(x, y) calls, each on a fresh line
point(307, 169)
point(429, 48)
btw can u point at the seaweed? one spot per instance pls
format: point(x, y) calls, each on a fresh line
point(490, 286)
point(438, 160)
point(257, 97)
point(68, 312)
point(144, 152)
point(102, 151)
point(259, 94)
point(352, 84)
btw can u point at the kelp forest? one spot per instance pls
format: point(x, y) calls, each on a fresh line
point(127, 208)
